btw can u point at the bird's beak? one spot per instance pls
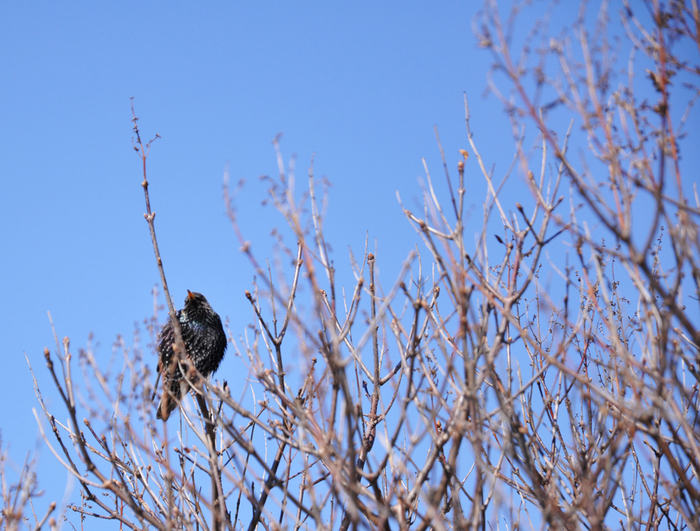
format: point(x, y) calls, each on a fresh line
point(190, 295)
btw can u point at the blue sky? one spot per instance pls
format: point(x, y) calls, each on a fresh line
point(361, 85)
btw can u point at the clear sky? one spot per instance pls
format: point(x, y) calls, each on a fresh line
point(359, 84)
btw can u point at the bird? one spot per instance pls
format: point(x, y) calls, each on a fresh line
point(205, 344)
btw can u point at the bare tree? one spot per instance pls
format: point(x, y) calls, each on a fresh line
point(19, 489)
point(545, 376)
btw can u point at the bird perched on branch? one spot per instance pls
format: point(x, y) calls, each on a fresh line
point(205, 343)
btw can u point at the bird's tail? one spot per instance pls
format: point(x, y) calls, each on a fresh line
point(172, 395)
point(165, 407)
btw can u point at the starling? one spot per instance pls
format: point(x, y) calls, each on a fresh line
point(205, 342)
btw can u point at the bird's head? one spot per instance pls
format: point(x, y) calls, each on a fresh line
point(194, 300)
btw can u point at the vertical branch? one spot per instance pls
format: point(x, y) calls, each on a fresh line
point(220, 514)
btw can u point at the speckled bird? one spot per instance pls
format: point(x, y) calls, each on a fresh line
point(205, 342)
